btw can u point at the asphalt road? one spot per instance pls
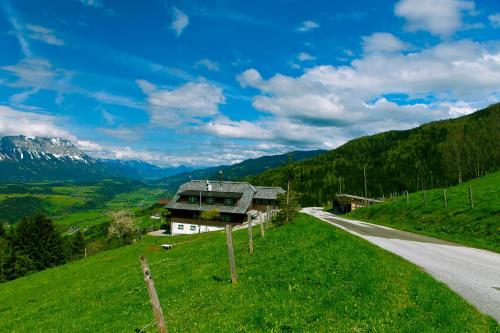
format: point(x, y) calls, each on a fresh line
point(472, 273)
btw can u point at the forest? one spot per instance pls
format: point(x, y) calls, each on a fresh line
point(437, 154)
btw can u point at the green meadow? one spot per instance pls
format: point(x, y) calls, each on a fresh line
point(425, 213)
point(304, 276)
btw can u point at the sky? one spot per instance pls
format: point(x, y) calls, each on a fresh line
point(203, 83)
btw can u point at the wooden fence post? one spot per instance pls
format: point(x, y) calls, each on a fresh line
point(153, 297)
point(250, 233)
point(230, 253)
point(262, 221)
point(471, 201)
point(445, 199)
point(407, 199)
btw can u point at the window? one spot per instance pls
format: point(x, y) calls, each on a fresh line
point(192, 228)
point(225, 218)
point(192, 199)
point(228, 202)
point(195, 215)
point(210, 200)
point(180, 227)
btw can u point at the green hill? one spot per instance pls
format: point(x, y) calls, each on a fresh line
point(437, 154)
point(305, 276)
point(478, 226)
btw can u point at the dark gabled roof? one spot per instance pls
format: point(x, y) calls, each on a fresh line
point(266, 192)
point(244, 190)
point(213, 194)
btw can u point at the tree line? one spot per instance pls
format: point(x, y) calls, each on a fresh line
point(437, 154)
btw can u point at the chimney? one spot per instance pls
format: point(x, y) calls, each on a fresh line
point(221, 180)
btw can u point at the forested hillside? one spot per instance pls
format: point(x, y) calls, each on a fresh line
point(437, 154)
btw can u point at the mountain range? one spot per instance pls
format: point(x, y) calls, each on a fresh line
point(25, 158)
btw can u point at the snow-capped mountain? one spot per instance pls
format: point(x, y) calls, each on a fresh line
point(40, 158)
point(22, 148)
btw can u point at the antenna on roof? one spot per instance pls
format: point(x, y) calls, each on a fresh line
point(221, 179)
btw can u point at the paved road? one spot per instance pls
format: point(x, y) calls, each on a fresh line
point(472, 273)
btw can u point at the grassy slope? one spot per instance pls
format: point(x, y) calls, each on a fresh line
point(306, 276)
point(478, 227)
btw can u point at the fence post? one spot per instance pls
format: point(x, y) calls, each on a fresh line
point(471, 201)
point(425, 199)
point(153, 297)
point(407, 199)
point(230, 253)
point(250, 232)
point(445, 199)
point(262, 231)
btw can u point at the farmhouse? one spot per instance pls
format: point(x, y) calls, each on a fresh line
point(232, 200)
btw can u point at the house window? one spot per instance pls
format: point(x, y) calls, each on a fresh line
point(192, 228)
point(228, 202)
point(210, 200)
point(192, 199)
point(225, 218)
point(180, 227)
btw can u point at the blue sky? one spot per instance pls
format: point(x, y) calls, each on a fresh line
point(214, 82)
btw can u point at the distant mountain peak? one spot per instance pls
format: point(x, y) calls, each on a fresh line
point(22, 148)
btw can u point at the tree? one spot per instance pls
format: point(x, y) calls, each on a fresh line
point(37, 244)
point(78, 245)
point(123, 226)
point(210, 215)
point(288, 208)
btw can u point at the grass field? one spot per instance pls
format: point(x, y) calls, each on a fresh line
point(75, 205)
point(305, 276)
point(477, 227)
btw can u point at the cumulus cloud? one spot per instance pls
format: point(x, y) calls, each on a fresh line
point(495, 20)
point(304, 56)
point(439, 17)
point(243, 129)
point(189, 102)
point(16, 122)
point(180, 21)
point(308, 26)
point(329, 104)
point(208, 64)
point(383, 42)
point(43, 34)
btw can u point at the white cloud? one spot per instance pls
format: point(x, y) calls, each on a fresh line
point(330, 104)
point(36, 74)
point(439, 17)
point(180, 21)
point(187, 103)
point(304, 56)
point(43, 34)
point(308, 26)
point(495, 20)
point(208, 64)
point(243, 129)
point(383, 42)
point(15, 122)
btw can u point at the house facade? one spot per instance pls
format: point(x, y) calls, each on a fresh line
point(233, 200)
